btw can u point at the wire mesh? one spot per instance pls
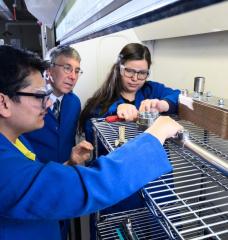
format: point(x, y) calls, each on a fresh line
point(192, 201)
point(145, 225)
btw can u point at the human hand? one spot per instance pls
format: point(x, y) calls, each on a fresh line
point(153, 105)
point(127, 111)
point(164, 127)
point(80, 153)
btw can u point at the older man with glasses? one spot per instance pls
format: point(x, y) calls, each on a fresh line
point(55, 140)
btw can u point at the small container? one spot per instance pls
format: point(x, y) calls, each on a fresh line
point(199, 83)
point(146, 119)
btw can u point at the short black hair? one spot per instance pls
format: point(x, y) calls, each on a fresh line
point(15, 65)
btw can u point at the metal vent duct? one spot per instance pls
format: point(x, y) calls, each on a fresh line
point(5, 12)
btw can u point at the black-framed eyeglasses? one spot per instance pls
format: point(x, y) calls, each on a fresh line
point(67, 68)
point(130, 72)
point(43, 95)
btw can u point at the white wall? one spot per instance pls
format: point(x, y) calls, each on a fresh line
point(98, 55)
point(175, 61)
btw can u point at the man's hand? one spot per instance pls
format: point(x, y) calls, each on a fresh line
point(163, 128)
point(80, 153)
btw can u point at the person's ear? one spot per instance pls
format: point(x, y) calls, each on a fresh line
point(48, 76)
point(5, 110)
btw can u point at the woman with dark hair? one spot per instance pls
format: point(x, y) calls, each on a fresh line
point(126, 90)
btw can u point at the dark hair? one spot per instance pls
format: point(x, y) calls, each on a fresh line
point(112, 87)
point(15, 66)
point(66, 51)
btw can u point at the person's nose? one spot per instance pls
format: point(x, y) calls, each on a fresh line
point(73, 75)
point(135, 76)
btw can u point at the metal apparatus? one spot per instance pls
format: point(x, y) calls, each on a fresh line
point(199, 83)
point(121, 140)
point(183, 139)
point(142, 223)
point(191, 202)
point(145, 119)
point(206, 111)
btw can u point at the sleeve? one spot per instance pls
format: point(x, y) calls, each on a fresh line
point(161, 92)
point(31, 190)
point(112, 110)
point(88, 129)
point(78, 108)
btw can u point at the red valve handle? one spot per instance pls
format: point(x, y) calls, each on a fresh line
point(113, 118)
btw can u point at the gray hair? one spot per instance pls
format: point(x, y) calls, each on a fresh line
point(66, 51)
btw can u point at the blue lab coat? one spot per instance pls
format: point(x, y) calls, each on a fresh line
point(150, 90)
point(35, 196)
point(55, 140)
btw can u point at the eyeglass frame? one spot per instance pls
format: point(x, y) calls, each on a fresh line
point(123, 69)
point(77, 71)
point(43, 96)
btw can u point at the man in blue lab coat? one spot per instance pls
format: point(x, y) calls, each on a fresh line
point(55, 140)
point(34, 196)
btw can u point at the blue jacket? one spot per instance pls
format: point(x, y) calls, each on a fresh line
point(55, 140)
point(35, 196)
point(150, 90)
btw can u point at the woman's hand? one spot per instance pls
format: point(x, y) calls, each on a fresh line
point(80, 153)
point(153, 105)
point(127, 111)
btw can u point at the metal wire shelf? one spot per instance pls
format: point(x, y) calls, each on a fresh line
point(143, 222)
point(192, 202)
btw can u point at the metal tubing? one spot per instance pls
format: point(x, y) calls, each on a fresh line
point(221, 164)
point(183, 139)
